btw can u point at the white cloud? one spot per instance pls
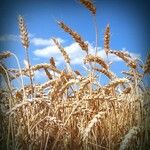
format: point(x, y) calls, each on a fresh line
point(46, 51)
point(12, 37)
point(111, 57)
point(134, 55)
point(41, 75)
point(75, 53)
point(9, 37)
point(40, 42)
point(44, 42)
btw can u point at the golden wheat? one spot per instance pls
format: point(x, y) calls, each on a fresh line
point(127, 58)
point(107, 40)
point(132, 134)
point(72, 109)
point(108, 73)
point(95, 119)
point(89, 5)
point(5, 54)
point(52, 62)
point(97, 59)
point(23, 32)
point(75, 36)
point(64, 53)
point(147, 65)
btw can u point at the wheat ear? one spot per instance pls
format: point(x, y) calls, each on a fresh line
point(117, 81)
point(132, 134)
point(108, 73)
point(64, 53)
point(25, 43)
point(5, 54)
point(23, 32)
point(34, 68)
point(125, 57)
point(107, 39)
point(89, 5)
point(75, 36)
point(52, 62)
point(97, 59)
point(147, 65)
point(95, 119)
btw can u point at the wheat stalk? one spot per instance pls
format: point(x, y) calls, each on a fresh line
point(33, 68)
point(48, 74)
point(25, 43)
point(71, 110)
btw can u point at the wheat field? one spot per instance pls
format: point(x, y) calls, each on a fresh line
point(72, 111)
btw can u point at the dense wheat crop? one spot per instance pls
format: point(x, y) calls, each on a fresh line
point(72, 111)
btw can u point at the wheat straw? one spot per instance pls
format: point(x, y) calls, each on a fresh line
point(25, 43)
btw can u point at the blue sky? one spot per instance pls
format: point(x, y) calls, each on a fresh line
point(129, 22)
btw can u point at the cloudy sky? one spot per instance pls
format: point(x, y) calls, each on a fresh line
point(129, 22)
